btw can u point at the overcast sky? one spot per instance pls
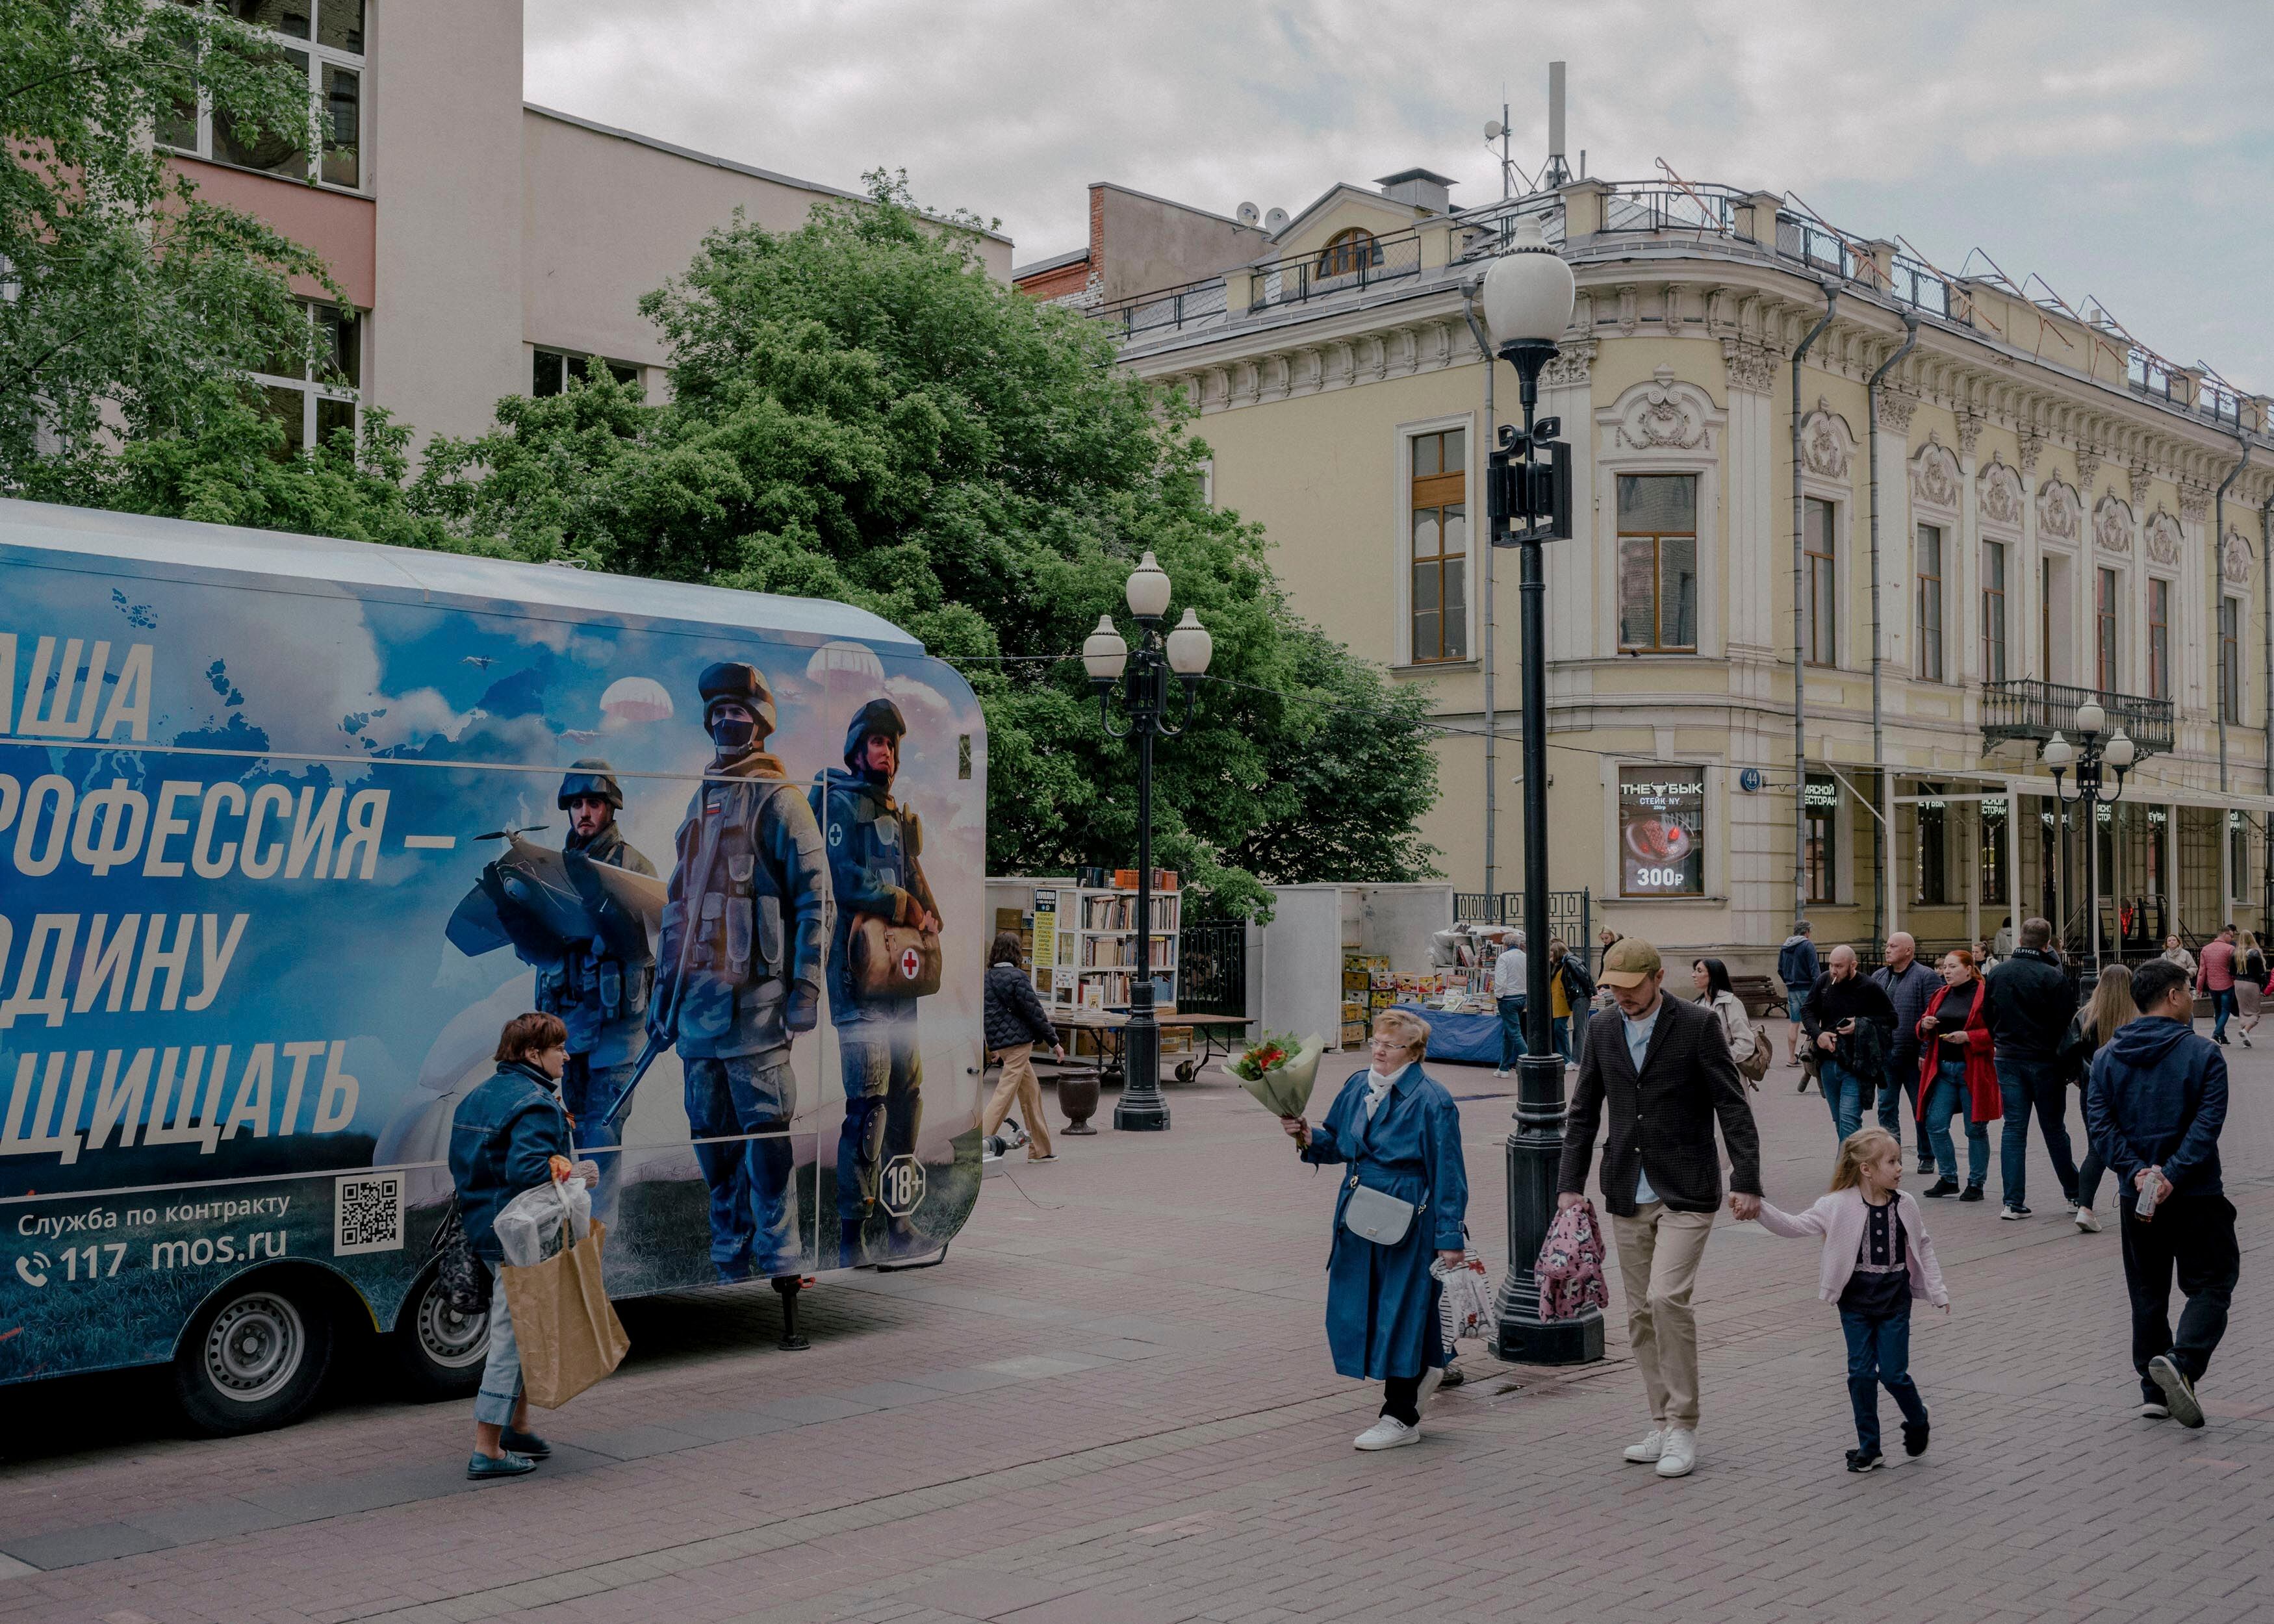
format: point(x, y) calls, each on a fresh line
point(2121, 151)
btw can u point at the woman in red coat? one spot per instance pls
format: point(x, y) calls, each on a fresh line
point(1955, 1072)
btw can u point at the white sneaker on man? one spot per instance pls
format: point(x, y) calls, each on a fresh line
point(1680, 1453)
point(1501, 1073)
point(1653, 1445)
point(2087, 1220)
point(1388, 1433)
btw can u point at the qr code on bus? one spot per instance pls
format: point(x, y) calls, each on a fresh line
point(367, 1214)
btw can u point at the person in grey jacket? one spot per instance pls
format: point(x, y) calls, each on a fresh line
point(1016, 1022)
point(1909, 985)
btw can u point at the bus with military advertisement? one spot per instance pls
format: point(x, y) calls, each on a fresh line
point(291, 827)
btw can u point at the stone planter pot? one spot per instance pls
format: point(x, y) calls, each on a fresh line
point(1078, 1095)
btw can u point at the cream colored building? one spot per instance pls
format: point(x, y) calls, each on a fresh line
point(486, 247)
point(2047, 513)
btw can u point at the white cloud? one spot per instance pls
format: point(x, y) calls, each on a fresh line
point(2115, 147)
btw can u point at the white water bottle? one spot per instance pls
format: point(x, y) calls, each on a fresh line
point(2145, 1205)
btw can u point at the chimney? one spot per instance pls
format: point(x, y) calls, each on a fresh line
point(1423, 188)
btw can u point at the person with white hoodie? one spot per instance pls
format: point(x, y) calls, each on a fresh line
point(1877, 1258)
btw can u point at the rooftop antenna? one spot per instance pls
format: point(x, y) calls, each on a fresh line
point(1558, 173)
point(1497, 130)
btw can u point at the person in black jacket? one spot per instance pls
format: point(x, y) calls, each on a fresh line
point(1015, 1022)
point(1851, 1024)
point(1660, 1069)
point(2031, 1003)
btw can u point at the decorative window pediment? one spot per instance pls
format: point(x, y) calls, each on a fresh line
point(2111, 524)
point(1935, 480)
point(2163, 538)
point(1828, 445)
point(1664, 415)
point(2060, 515)
point(1999, 490)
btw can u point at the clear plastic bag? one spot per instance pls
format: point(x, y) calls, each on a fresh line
point(530, 1226)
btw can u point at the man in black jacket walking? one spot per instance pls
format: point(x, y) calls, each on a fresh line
point(2029, 1004)
point(1662, 1068)
point(1850, 1025)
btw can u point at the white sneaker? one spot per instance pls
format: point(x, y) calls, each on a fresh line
point(1501, 1073)
point(1680, 1453)
point(2087, 1220)
point(1653, 1445)
point(2152, 1411)
point(1388, 1433)
point(1430, 1379)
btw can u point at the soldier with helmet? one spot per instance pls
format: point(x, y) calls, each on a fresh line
point(597, 980)
point(739, 972)
point(874, 846)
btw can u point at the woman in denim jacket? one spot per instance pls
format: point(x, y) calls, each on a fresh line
point(503, 1139)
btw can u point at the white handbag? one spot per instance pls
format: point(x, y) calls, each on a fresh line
point(1373, 1216)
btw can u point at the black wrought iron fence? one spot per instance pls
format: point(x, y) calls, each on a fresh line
point(1212, 968)
point(1570, 913)
point(2029, 708)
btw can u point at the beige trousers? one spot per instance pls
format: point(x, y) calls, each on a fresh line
point(1018, 1083)
point(1658, 1252)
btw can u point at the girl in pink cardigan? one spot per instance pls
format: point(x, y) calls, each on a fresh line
point(1876, 1257)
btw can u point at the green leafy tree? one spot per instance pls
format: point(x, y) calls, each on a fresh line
point(129, 307)
point(861, 412)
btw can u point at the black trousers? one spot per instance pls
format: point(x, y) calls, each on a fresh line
point(1401, 1398)
point(2192, 1236)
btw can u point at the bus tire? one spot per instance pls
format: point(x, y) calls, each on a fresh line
point(254, 1356)
point(439, 1352)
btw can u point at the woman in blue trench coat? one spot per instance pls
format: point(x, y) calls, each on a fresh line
point(1399, 1133)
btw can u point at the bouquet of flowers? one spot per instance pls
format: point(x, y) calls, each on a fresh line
point(1279, 1070)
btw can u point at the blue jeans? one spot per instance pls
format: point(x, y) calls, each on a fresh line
point(2222, 1007)
point(1946, 1098)
point(1879, 1356)
point(2026, 1085)
point(1843, 1092)
point(1560, 1035)
point(1511, 1030)
point(501, 1389)
point(1899, 1082)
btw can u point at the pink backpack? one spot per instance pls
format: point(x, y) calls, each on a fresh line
point(1570, 1265)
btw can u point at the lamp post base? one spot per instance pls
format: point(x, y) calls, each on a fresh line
point(1141, 1109)
point(1530, 1340)
point(1535, 1150)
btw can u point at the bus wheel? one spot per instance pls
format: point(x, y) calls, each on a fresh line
point(253, 1358)
point(438, 1349)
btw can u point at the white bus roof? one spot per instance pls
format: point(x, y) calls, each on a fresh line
point(181, 550)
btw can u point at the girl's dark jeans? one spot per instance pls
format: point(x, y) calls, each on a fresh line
point(1879, 1356)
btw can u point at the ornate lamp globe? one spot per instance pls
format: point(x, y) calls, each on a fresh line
point(1190, 647)
point(1148, 589)
point(1528, 291)
point(1104, 651)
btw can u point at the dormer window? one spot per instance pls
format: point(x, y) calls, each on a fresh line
point(1348, 253)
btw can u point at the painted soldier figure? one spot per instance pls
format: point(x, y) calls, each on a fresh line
point(874, 847)
point(739, 972)
point(598, 985)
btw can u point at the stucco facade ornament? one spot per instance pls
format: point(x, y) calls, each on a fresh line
point(1896, 411)
point(1571, 367)
point(1934, 477)
point(2234, 558)
point(2032, 445)
point(2140, 479)
point(1751, 368)
point(2111, 525)
point(2088, 463)
point(1664, 415)
point(2163, 537)
point(1630, 309)
point(1826, 444)
point(1970, 435)
point(2061, 516)
point(2194, 505)
point(1999, 490)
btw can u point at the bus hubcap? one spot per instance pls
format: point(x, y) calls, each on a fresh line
point(254, 1347)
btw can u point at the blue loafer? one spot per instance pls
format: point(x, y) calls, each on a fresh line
point(506, 1465)
point(524, 1443)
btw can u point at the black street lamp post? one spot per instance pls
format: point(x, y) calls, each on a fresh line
point(1527, 297)
point(1144, 672)
point(2116, 753)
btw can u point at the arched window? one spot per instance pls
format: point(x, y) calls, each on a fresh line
point(1348, 253)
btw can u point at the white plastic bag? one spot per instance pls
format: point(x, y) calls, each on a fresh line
point(1466, 1306)
point(529, 1228)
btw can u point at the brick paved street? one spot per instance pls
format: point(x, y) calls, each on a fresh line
point(1114, 1403)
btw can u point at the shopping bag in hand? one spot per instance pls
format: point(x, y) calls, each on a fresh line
point(567, 1330)
point(1466, 1307)
point(1570, 1265)
point(536, 1224)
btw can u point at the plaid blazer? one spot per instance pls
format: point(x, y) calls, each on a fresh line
point(1662, 1120)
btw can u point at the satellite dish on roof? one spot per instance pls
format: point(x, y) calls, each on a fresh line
point(1249, 214)
point(1274, 220)
point(1492, 128)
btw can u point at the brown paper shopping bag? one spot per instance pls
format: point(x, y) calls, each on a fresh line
point(567, 1330)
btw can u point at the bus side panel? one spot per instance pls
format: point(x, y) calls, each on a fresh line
point(248, 966)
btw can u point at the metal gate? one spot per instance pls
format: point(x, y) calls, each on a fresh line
point(1570, 913)
point(1212, 968)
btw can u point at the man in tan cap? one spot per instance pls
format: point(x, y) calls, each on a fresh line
point(1663, 1068)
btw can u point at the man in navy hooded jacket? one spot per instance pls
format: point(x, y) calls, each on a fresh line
point(2155, 1106)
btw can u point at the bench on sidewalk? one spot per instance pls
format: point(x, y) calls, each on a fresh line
point(1759, 994)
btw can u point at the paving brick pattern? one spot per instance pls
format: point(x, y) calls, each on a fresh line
point(1113, 1405)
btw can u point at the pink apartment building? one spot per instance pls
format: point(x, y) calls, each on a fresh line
point(488, 247)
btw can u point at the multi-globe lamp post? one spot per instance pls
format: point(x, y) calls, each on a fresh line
point(1143, 672)
point(1527, 296)
point(2061, 757)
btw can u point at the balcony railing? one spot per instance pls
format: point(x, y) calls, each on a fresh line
point(2028, 708)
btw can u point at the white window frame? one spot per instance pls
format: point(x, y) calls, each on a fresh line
point(312, 389)
point(1843, 506)
point(567, 355)
point(2171, 584)
point(2008, 552)
point(1480, 541)
point(1945, 562)
point(318, 58)
point(1616, 454)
